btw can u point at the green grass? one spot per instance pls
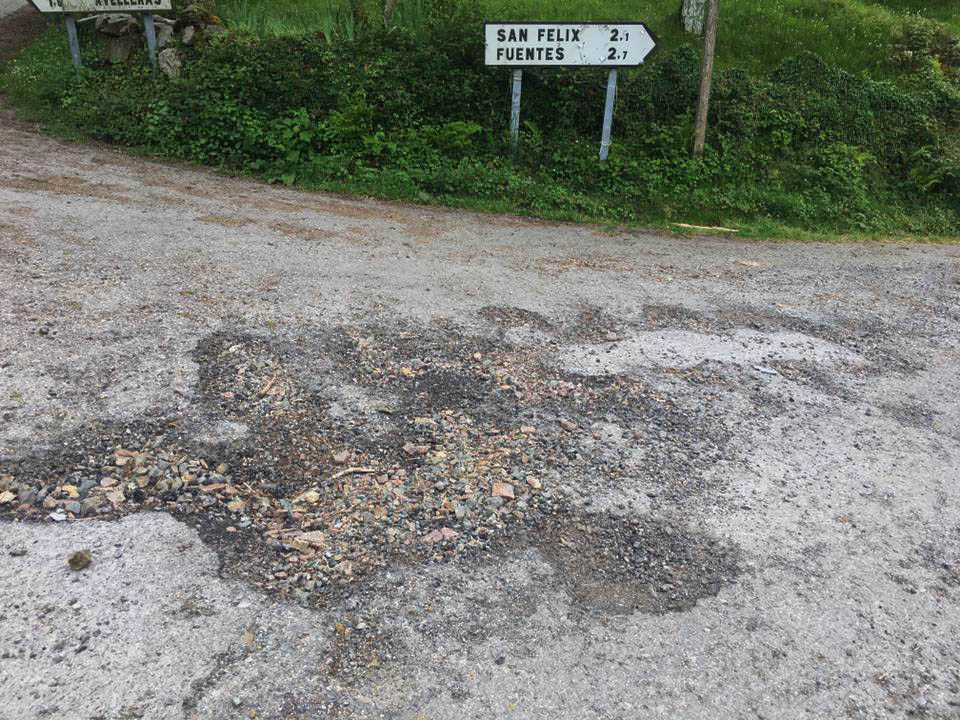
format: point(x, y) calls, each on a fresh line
point(754, 34)
point(282, 17)
point(946, 11)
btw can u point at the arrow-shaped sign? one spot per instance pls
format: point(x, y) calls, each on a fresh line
point(535, 44)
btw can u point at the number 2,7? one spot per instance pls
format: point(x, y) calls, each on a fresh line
point(612, 54)
point(615, 36)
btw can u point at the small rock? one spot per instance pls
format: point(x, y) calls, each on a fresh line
point(310, 496)
point(18, 552)
point(57, 516)
point(236, 505)
point(314, 538)
point(568, 426)
point(7, 497)
point(170, 61)
point(341, 457)
point(71, 491)
point(502, 489)
point(80, 560)
point(27, 496)
point(164, 35)
point(74, 507)
point(411, 449)
point(433, 537)
point(115, 24)
point(189, 33)
point(89, 506)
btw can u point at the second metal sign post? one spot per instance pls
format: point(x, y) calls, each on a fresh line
point(538, 44)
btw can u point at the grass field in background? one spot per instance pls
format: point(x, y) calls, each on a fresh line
point(946, 11)
point(754, 34)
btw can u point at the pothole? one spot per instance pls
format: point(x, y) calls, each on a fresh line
point(335, 454)
point(617, 565)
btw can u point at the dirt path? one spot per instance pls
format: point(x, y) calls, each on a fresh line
point(339, 458)
point(8, 7)
point(20, 25)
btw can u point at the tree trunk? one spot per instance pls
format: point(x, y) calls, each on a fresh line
point(691, 15)
point(387, 11)
point(706, 78)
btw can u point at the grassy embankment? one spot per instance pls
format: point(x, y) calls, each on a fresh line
point(865, 143)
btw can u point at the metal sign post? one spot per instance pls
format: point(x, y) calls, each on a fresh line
point(537, 44)
point(515, 109)
point(608, 115)
point(150, 30)
point(73, 39)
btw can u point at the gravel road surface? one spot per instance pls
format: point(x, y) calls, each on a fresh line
point(337, 458)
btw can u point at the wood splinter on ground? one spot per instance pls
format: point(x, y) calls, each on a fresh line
point(352, 471)
point(706, 227)
point(266, 388)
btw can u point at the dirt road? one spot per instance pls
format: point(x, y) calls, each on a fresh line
point(339, 458)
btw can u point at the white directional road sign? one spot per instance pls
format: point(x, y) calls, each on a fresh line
point(101, 6)
point(538, 44)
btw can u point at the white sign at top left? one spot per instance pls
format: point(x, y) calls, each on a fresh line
point(101, 6)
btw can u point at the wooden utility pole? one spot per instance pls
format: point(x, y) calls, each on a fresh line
point(706, 78)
